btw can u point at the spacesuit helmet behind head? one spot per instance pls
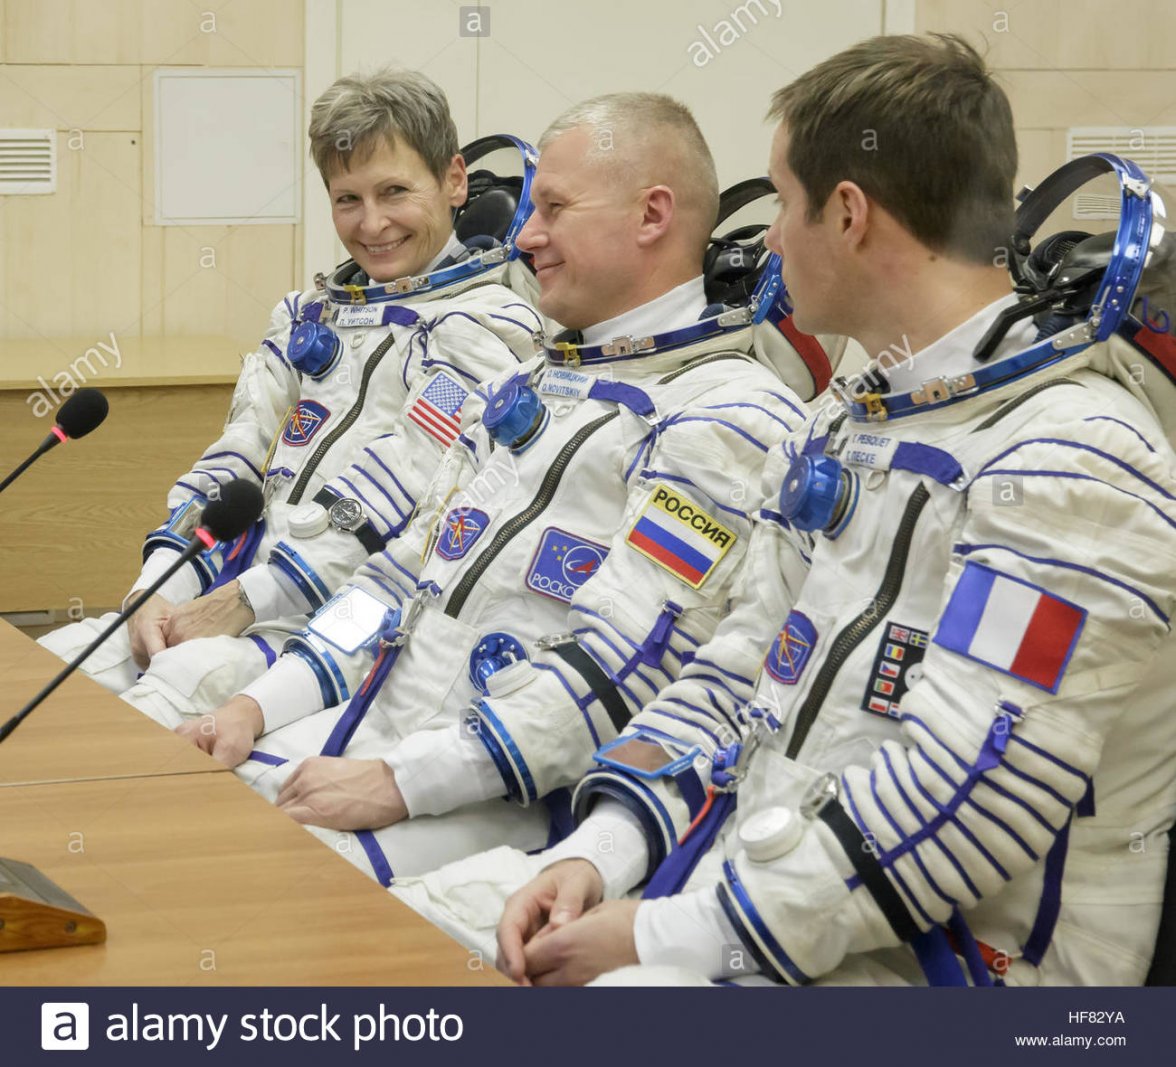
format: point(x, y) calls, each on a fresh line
point(741, 273)
point(1092, 260)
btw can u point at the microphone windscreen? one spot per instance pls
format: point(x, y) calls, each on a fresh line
point(82, 412)
point(237, 507)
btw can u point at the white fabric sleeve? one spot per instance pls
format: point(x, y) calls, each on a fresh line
point(181, 587)
point(439, 770)
point(287, 692)
point(611, 839)
point(690, 930)
point(271, 595)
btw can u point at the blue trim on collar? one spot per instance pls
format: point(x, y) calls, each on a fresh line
point(936, 393)
point(625, 348)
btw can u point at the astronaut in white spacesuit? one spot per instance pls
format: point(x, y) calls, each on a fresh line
point(948, 731)
point(344, 411)
point(576, 546)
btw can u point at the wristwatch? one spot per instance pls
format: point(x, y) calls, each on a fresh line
point(346, 514)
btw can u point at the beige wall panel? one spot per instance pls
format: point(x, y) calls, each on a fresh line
point(528, 75)
point(1039, 153)
point(78, 31)
point(193, 295)
point(1075, 34)
point(75, 97)
point(216, 33)
point(252, 268)
point(72, 258)
point(260, 268)
point(1048, 99)
point(104, 248)
point(424, 37)
point(254, 265)
point(152, 301)
point(238, 33)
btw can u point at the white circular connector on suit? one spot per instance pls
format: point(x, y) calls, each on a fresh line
point(308, 520)
point(770, 833)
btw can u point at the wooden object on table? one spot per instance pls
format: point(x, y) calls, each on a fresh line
point(37, 913)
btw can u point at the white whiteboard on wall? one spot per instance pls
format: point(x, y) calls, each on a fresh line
point(227, 146)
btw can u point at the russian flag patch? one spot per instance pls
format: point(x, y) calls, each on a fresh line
point(679, 536)
point(1011, 625)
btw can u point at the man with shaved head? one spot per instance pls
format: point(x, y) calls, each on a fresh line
point(575, 548)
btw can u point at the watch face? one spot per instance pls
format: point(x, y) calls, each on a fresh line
point(346, 514)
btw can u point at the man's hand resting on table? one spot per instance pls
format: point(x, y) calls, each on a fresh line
point(228, 733)
point(343, 794)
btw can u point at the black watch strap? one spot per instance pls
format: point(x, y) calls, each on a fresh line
point(365, 534)
point(602, 686)
point(869, 870)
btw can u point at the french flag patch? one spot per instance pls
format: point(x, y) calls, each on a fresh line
point(1011, 625)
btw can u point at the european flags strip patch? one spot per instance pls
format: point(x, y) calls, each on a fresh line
point(1011, 625)
point(678, 535)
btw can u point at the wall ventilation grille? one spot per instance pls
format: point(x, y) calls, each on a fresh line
point(28, 162)
point(1152, 147)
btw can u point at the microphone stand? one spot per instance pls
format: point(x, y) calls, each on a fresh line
point(201, 539)
point(54, 439)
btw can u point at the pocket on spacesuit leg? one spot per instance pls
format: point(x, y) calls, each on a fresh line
point(264, 777)
point(418, 846)
point(198, 676)
point(110, 665)
point(466, 898)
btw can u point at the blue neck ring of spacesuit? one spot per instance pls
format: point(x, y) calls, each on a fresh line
point(1092, 286)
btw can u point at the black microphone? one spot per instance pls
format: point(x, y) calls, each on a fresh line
point(81, 413)
point(236, 508)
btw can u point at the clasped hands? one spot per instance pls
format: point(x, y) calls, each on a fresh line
point(557, 930)
point(160, 624)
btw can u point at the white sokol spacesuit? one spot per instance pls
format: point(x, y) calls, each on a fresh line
point(959, 739)
point(575, 548)
point(341, 415)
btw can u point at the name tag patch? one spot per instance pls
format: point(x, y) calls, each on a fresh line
point(792, 648)
point(897, 666)
point(677, 535)
point(360, 315)
point(559, 381)
point(563, 562)
point(869, 450)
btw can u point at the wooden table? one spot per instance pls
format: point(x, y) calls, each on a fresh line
point(202, 882)
point(199, 880)
point(82, 731)
point(72, 526)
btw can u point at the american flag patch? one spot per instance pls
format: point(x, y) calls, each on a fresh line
point(437, 410)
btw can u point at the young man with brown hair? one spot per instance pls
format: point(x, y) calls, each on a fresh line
point(951, 740)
